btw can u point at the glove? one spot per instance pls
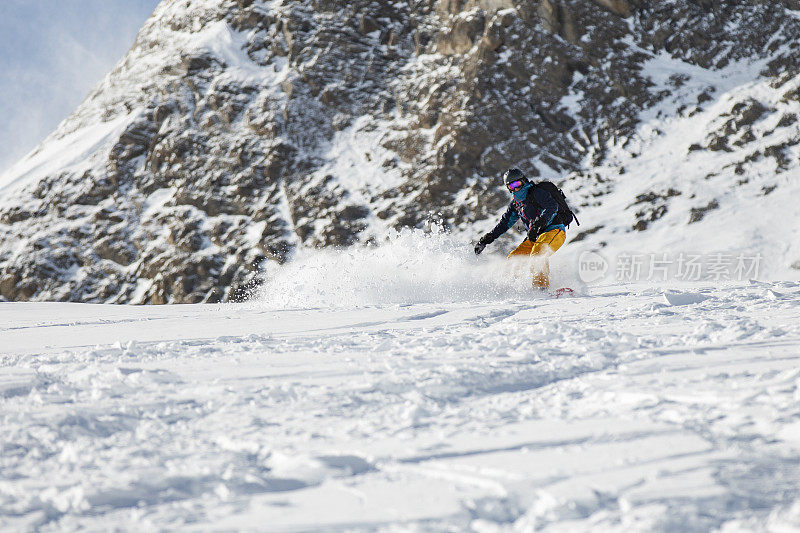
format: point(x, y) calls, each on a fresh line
point(481, 244)
point(536, 229)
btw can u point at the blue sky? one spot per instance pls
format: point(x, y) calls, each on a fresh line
point(52, 52)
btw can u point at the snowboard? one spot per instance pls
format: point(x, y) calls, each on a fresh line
point(563, 291)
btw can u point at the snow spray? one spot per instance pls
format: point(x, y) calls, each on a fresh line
point(411, 266)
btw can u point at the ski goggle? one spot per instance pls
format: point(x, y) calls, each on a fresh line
point(515, 185)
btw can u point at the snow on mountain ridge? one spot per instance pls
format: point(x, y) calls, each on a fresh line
point(245, 105)
point(730, 209)
point(66, 152)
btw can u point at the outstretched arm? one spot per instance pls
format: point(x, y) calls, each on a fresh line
point(507, 222)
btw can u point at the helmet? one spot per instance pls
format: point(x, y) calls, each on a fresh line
point(514, 174)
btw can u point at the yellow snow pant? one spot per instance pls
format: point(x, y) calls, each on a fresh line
point(546, 244)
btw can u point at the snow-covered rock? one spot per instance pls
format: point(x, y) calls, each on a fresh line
point(241, 130)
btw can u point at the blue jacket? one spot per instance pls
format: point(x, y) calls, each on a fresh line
point(534, 205)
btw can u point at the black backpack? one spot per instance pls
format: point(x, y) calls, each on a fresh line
point(565, 215)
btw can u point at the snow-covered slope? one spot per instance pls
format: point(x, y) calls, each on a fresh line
point(721, 176)
point(239, 131)
point(394, 380)
point(627, 408)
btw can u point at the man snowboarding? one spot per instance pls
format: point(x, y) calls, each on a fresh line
point(545, 213)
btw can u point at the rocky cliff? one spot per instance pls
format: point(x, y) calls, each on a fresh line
point(235, 131)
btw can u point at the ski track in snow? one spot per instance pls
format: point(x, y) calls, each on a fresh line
point(630, 408)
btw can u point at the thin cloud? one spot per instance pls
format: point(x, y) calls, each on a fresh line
point(53, 53)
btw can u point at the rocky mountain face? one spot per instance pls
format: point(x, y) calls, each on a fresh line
point(235, 131)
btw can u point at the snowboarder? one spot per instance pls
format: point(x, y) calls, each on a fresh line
point(545, 213)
